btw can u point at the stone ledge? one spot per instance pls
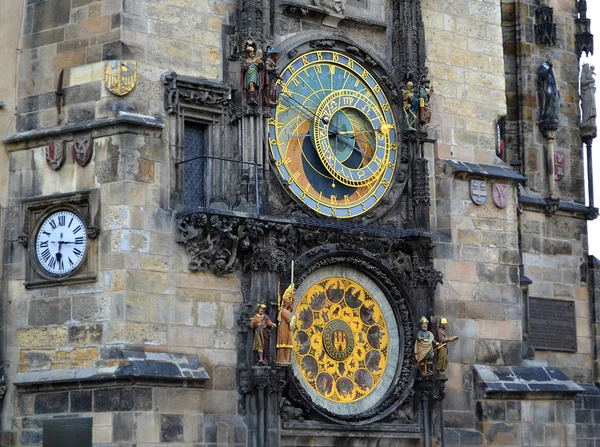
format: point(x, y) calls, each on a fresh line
point(302, 430)
point(516, 382)
point(124, 118)
point(541, 203)
point(498, 171)
point(160, 369)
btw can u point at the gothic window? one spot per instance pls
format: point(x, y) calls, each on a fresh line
point(500, 144)
point(194, 164)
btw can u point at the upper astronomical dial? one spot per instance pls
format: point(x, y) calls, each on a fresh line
point(61, 243)
point(333, 135)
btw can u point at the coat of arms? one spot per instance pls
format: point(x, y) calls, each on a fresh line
point(120, 76)
point(559, 165)
point(478, 191)
point(55, 155)
point(82, 150)
point(500, 195)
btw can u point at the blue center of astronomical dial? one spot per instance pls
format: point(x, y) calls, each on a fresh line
point(341, 136)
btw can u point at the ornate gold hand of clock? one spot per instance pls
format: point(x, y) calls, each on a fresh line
point(333, 135)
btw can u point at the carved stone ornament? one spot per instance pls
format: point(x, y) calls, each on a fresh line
point(500, 194)
point(83, 148)
point(552, 206)
point(185, 90)
point(224, 243)
point(55, 155)
point(559, 166)
point(478, 190)
point(334, 7)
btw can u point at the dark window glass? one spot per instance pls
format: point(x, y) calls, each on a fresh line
point(194, 169)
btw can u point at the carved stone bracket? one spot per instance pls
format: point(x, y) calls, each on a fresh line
point(198, 92)
point(223, 242)
point(552, 205)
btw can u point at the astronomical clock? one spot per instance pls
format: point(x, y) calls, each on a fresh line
point(333, 136)
point(335, 147)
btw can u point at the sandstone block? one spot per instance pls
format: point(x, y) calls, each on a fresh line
point(154, 263)
point(191, 336)
point(30, 338)
point(207, 314)
point(136, 333)
point(178, 400)
point(148, 282)
point(147, 426)
point(92, 308)
point(136, 306)
point(58, 336)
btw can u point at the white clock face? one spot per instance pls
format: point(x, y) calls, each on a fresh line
point(61, 242)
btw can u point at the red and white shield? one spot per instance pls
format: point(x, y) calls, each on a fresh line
point(82, 149)
point(55, 155)
point(559, 165)
point(500, 195)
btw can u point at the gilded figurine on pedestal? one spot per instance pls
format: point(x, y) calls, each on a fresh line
point(262, 325)
point(285, 320)
point(443, 341)
point(425, 92)
point(251, 67)
point(272, 71)
point(424, 347)
point(408, 106)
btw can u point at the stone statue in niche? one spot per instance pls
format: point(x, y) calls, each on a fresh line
point(582, 9)
point(408, 106)
point(262, 325)
point(286, 325)
point(251, 68)
point(549, 96)
point(272, 71)
point(424, 347)
point(425, 92)
point(442, 339)
point(332, 6)
point(588, 96)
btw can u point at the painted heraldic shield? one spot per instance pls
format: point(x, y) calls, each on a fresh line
point(55, 155)
point(500, 195)
point(120, 76)
point(82, 150)
point(478, 191)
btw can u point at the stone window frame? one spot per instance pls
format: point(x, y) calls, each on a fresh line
point(199, 101)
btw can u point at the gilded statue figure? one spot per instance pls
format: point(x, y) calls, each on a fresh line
point(442, 339)
point(272, 71)
point(588, 96)
point(425, 92)
point(424, 346)
point(286, 322)
point(262, 325)
point(251, 67)
point(408, 106)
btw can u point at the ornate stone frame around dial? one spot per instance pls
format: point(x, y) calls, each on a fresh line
point(397, 294)
point(290, 49)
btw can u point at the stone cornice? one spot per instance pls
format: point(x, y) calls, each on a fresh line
point(33, 138)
